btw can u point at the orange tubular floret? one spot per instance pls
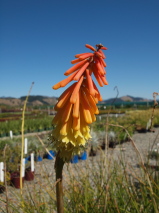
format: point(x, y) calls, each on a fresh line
point(86, 109)
point(104, 48)
point(76, 123)
point(91, 100)
point(57, 117)
point(73, 97)
point(81, 71)
point(90, 83)
point(102, 53)
point(75, 67)
point(65, 95)
point(75, 61)
point(64, 82)
point(90, 47)
point(98, 68)
point(98, 93)
point(86, 55)
point(68, 80)
point(80, 54)
point(102, 66)
point(66, 112)
point(96, 74)
point(104, 80)
point(87, 115)
point(57, 86)
point(99, 55)
point(76, 108)
point(102, 62)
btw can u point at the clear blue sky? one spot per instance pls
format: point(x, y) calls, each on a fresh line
point(39, 38)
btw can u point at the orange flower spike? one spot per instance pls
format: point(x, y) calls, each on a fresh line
point(90, 47)
point(73, 97)
point(90, 83)
point(81, 71)
point(75, 67)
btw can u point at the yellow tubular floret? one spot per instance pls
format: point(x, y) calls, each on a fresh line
point(63, 130)
point(87, 115)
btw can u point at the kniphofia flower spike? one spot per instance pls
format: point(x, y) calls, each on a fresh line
point(77, 106)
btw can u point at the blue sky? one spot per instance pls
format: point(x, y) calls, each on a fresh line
point(38, 39)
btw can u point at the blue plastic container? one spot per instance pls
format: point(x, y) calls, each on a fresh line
point(83, 156)
point(50, 157)
point(74, 159)
point(39, 158)
point(26, 160)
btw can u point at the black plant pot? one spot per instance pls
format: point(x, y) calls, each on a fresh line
point(112, 144)
point(92, 152)
point(2, 189)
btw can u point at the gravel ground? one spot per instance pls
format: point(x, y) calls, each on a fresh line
point(45, 170)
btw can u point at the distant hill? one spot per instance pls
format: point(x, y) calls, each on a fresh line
point(39, 100)
point(36, 100)
point(127, 98)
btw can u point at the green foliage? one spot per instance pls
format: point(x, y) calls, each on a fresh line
point(31, 125)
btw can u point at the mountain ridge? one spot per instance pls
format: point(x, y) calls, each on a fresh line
point(39, 100)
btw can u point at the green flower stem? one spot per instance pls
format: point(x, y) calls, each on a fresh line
point(59, 185)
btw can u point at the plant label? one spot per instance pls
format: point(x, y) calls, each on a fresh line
point(25, 145)
point(32, 162)
point(1, 172)
point(11, 134)
point(23, 167)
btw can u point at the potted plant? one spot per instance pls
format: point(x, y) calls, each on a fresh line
point(2, 187)
point(38, 151)
point(29, 174)
point(13, 165)
point(112, 139)
point(94, 143)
